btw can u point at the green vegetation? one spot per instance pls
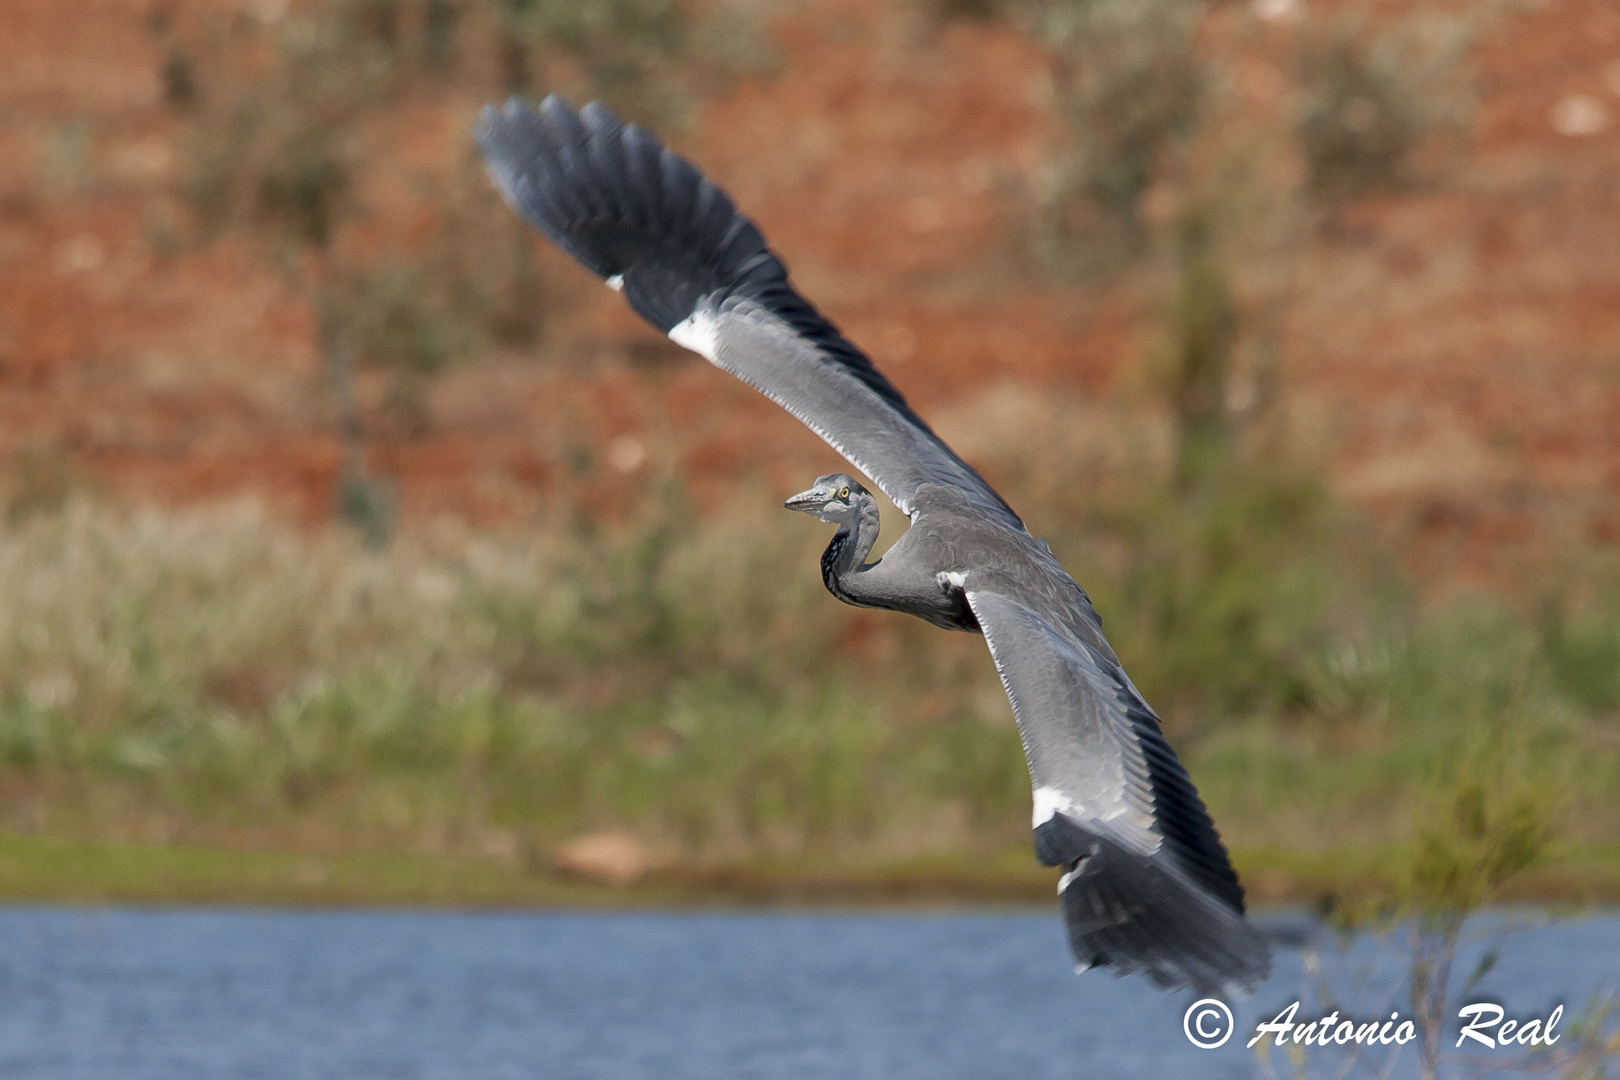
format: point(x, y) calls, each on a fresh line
point(1482, 829)
point(49, 868)
point(207, 671)
point(209, 679)
point(1133, 90)
point(1371, 101)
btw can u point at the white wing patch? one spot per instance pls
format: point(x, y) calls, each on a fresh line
point(1048, 801)
point(1042, 717)
point(954, 578)
point(698, 333)
point(616, 283)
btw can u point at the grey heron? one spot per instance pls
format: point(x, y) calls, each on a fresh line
point(1145, 883)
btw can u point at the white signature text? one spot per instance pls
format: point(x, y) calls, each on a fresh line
point(1484, 1023)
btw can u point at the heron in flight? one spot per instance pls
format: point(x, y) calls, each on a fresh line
point(1145, 885)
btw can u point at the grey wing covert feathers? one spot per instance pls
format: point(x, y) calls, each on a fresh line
point(1147, 886)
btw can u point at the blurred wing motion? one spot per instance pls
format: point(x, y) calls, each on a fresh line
point(647, 222)
point(1146, 886)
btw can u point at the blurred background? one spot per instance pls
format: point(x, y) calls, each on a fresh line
point(349, 535)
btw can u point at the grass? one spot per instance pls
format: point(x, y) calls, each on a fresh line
point(44, 868)
point(206, 686)
point(207, 674)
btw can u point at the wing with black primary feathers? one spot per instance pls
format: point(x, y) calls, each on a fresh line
point(1147, 885)
point(641, 217)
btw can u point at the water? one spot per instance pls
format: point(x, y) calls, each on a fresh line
point(147, 994)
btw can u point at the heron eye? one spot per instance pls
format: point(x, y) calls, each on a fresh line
point(843, 493)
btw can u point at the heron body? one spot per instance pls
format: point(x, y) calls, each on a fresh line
point(921, 575)
point(1145, 883)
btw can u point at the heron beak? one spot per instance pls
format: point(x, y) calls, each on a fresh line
point(806, 502)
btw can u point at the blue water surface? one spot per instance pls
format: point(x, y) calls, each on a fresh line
point(132, 994)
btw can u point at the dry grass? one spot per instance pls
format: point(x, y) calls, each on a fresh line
point(208, 668)
point(212, 676)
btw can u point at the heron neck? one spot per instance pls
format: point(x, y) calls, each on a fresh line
point(850, 546)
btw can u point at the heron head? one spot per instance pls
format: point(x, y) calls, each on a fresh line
point(832, 498)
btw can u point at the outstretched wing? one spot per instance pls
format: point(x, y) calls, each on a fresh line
point(645, 220)
point(1146, 886)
